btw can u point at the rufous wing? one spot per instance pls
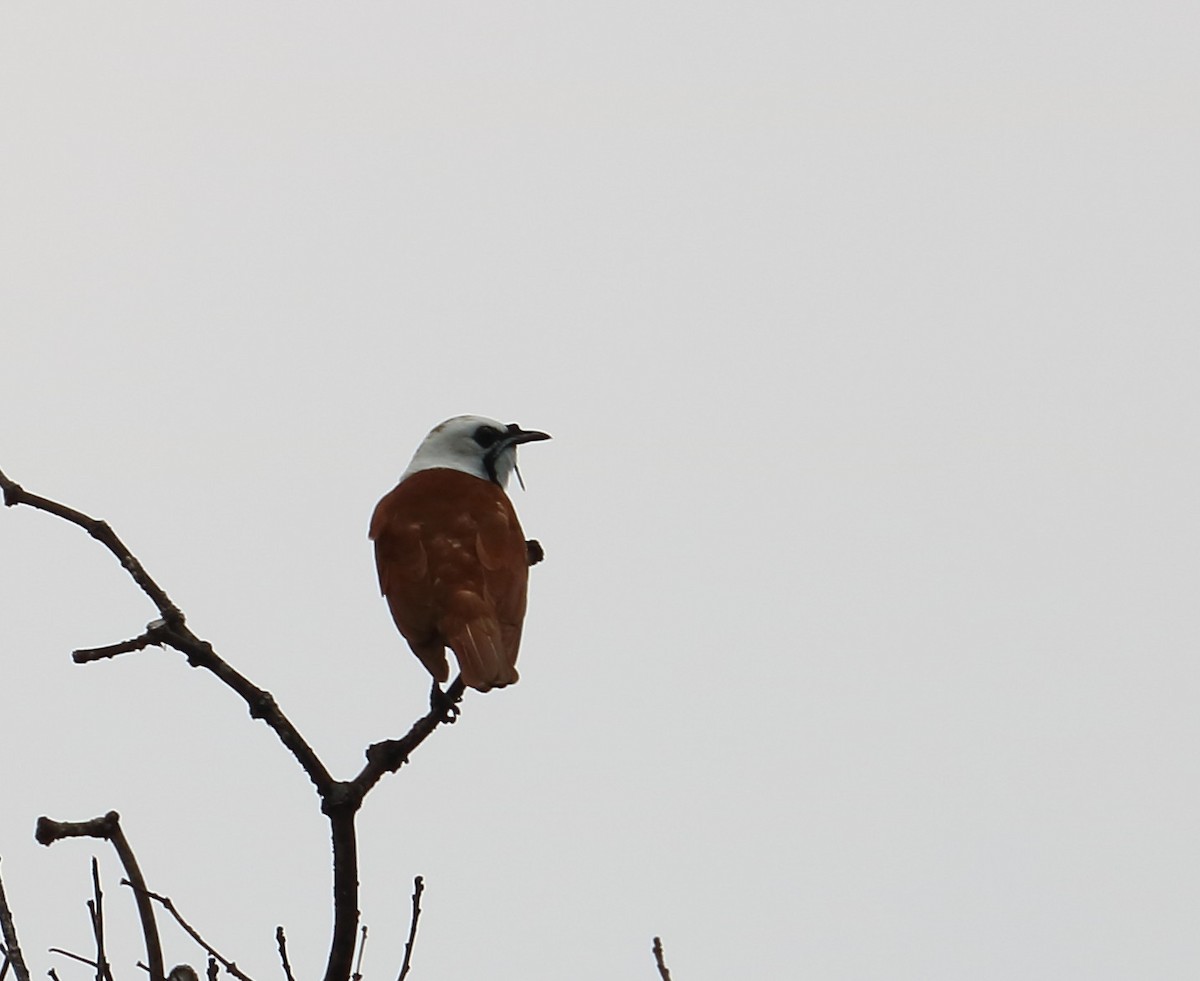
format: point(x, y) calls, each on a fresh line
point(403, 567)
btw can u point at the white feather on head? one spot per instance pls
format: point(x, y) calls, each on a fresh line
point(477, 445)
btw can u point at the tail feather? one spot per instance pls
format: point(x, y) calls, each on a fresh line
point(479, 646)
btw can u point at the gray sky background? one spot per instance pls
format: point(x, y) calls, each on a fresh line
point(866, 643)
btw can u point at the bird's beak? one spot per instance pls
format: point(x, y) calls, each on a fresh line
point(516, 435)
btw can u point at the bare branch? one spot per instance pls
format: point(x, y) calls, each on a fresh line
point(211, 972)
point(391, 754)
point(283, 954)
point(191, 931)
point(658, 959)
point(12, 949)
point(109, 828)
point(262, 704)
point(341, 805)
point(341, 811)
point(172, 630)
point(53, 974)
point(418, 888)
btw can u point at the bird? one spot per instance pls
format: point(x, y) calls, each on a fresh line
point(452, 559)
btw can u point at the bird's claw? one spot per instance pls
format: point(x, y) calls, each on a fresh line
point(443, 705)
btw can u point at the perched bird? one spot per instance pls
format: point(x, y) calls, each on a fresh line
point(451, 555)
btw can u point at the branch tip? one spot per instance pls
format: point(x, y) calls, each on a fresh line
point(418, 888)
point(281, 940)
point(658, 960)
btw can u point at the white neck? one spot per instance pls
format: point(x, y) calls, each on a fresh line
point(439, 457)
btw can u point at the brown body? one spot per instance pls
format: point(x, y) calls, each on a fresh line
point(453, 566)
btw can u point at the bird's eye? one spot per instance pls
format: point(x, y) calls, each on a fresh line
point(485, 436)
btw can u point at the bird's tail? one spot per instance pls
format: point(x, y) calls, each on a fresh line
point(482, 656)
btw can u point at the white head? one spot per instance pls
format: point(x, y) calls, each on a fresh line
point(476, 445)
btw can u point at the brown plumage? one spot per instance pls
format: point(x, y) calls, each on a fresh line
point(451, 555)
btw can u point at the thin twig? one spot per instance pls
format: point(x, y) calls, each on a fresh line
point(12, 948)
point(91, 905)
point(88, 654)
point(362, 945)
point(418, 888)
point(658, 959)
point(74, 957)
point(191, 931)
point(15, 494)
point(103, 971)
point(283, 954)
point(53, 974)
point(211, 972)
point(109, 827)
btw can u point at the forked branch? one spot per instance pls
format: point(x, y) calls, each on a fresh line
point(171, 630)
point(108, 827)
point(340, 799)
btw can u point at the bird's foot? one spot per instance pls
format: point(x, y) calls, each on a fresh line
point(534, 553)
point(443, 705)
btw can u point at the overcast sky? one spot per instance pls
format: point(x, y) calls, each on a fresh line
point(868, 334)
